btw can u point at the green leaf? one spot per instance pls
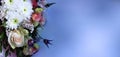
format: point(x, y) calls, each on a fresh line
point(35, 23)
point(2, 35)
point(12, 50)
point(49, 4)
point(4, 24)
point(0, 47)
point(19, 52)
point(6, 53)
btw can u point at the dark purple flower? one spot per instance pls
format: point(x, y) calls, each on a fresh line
point(30, 42)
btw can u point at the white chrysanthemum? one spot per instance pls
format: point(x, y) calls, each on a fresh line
point(26, 9)
point(23, 7)
point(9, 2)
point(16, 11)
point(12, 24)
point(12, 4)
point(13, 20)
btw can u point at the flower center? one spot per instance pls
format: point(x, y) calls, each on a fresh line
point(15, 20)
point(24, 0)
point(25, 10)
point(10, 1)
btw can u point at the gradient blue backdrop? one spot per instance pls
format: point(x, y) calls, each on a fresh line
point(82, 28)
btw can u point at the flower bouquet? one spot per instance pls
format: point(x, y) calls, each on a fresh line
point(20, 25)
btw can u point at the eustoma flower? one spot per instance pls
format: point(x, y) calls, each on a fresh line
point(38, 16)
point(16, 39)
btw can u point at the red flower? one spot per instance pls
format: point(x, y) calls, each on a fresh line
point(34, 3)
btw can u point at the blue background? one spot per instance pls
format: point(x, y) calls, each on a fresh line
point(82, 28)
